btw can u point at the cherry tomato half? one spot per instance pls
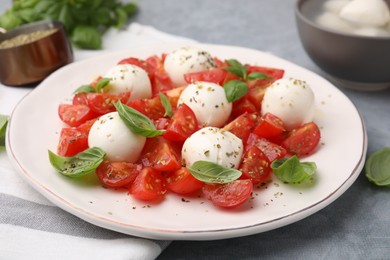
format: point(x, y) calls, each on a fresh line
point(117, 174)
point(182, 182)
point(148, 185)
point(229, 195)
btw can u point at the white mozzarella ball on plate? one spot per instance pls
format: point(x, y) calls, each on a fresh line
point(291, 100)
point(366, 12)
point(187, 60)
point(208, 101)
point(129, 78)
point(334, 22)
point(213, 145)
point(119, 143)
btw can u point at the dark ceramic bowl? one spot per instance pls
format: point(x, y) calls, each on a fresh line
point(351, 61)
point(31, 62)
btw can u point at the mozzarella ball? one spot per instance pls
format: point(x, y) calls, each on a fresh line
point(208, 102)
point(335, 6)
point(372, 32)
point(187, 60)
point(291, 100)
point(334, 22)
point(366, 12)
point(129, 78)
point(119, 143)
point(213, 145)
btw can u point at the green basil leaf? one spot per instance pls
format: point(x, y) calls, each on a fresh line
point(102, 16)
point(130, 8)
point(236, 68)
point(137, 122)
point(292, 170)
point(257, 75)
point(85, 89)
point(3, 127)
point(235, 89)
point(377, 167)
point(102, 84)
point(65, 16)
point(10, 20)
point(79, 165)
point(167, 105)
point(86, 37)
point(213, 173)
point(27, 15)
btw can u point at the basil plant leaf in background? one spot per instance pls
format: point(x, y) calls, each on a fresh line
point(3, 128)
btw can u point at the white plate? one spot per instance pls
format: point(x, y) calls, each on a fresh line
point(34, 128)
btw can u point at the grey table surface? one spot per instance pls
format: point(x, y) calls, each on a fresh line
point(356, 225)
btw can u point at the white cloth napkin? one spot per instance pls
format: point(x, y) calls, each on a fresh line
point(30, 225)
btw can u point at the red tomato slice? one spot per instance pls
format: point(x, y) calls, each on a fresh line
point(151, 108)
point(242, 126)
point(183, 124)
point(220, 63)
point(161, 154)
point(100, 103)
point(173, 95)
point(182, 181)
point(148, 185)
point(255, 166)
point(229, 195)
point(273, 73)
point(117, 174)
point(75, 115)
point(303, 140)
point(269, 126)
point(270, 149)
point(162, 81)
point(74, 139)
point(241, 106)
point(214, 75)
point(256, 95)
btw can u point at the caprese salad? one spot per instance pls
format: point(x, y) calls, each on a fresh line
point(187, 122)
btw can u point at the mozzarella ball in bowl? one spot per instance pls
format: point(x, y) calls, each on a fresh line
point(119, 143)
point(291, 100)
point(129, 78)
point(187, 60)
point(208, 101)
point(213, 145)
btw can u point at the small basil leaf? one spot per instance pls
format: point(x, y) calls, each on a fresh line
point(167, 105)
point(235, 89)
point(79, 165)
point(292, 170)
point(137, 122)
point(377, 167)
point(85, 89)
point(236, 68)
point(3, 127)
point(213, 173)
point(257, 75)
point(102, 84)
